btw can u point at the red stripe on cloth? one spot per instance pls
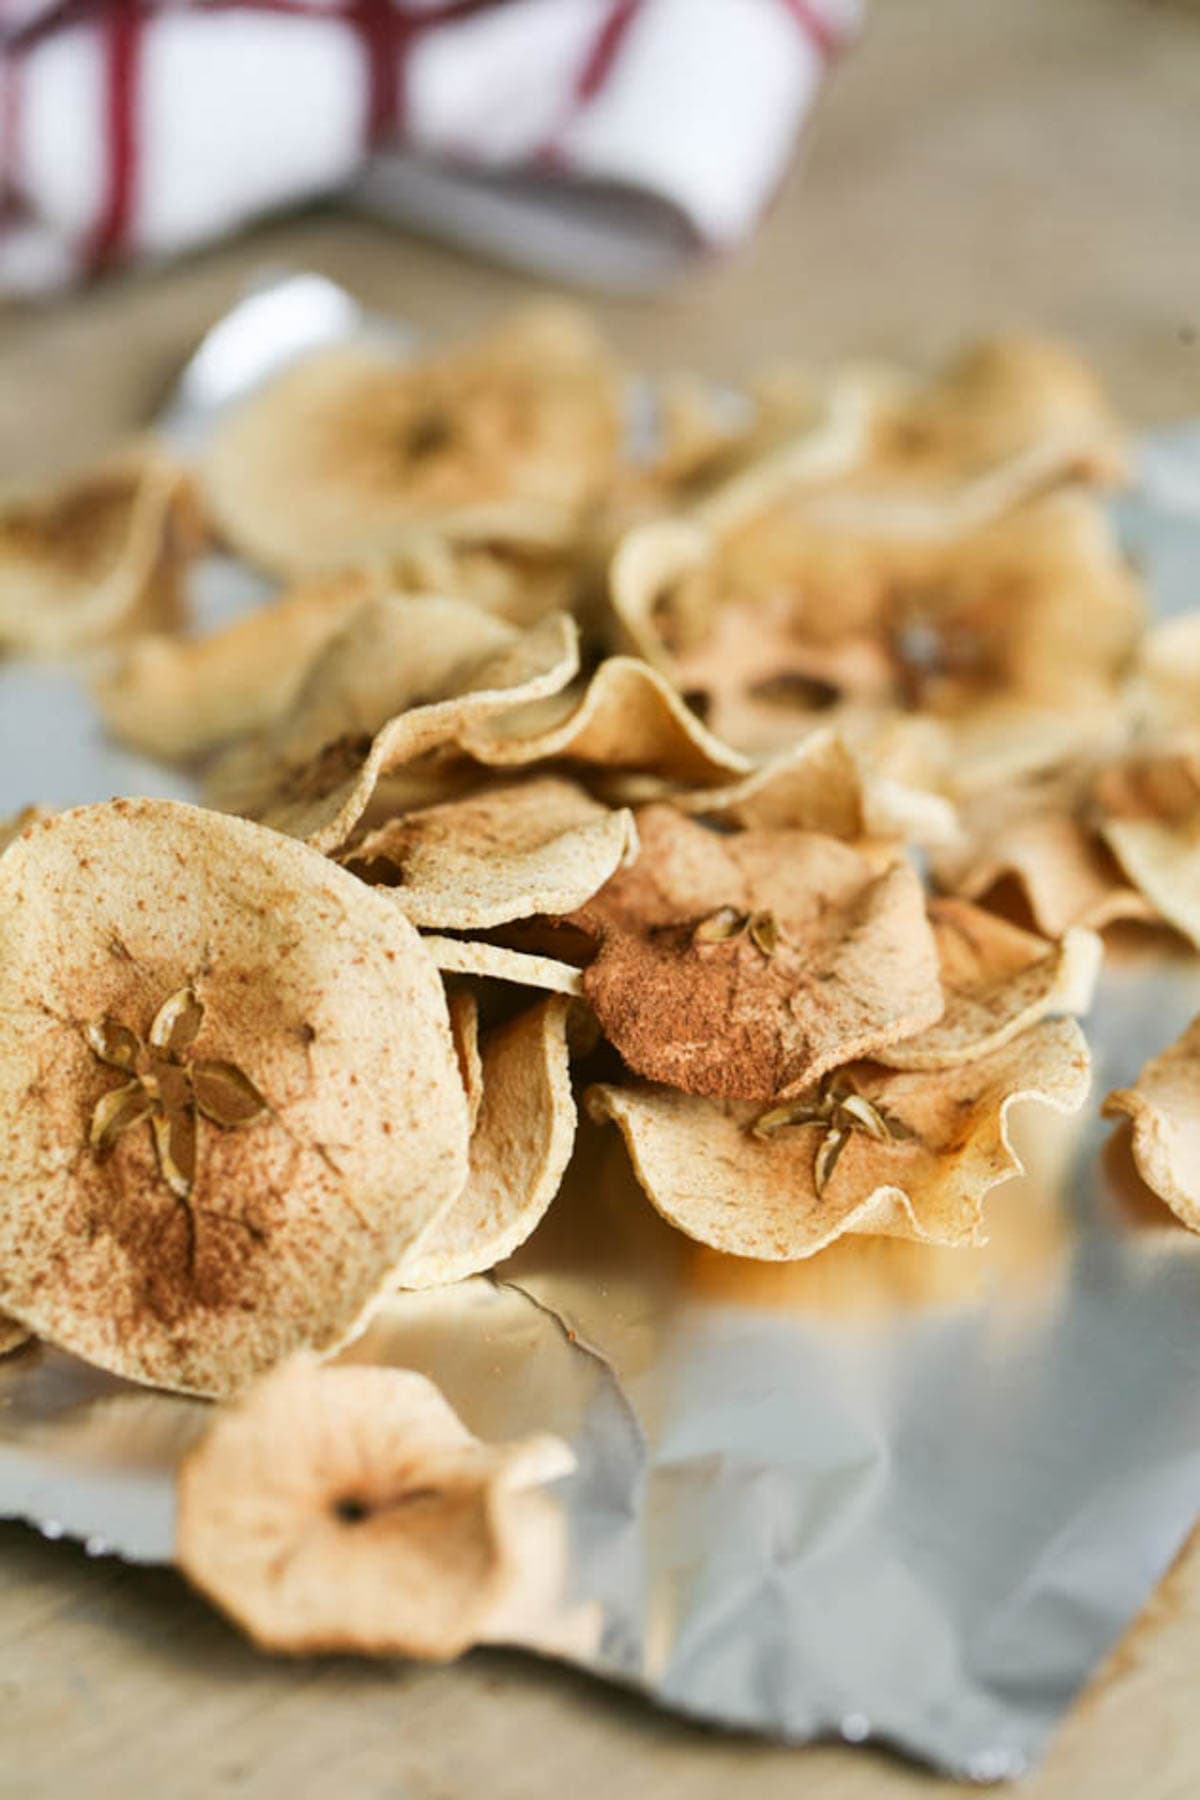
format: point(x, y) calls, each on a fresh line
point(604, 50)
point(10, 135)
point(593, 76)
point(120, 27)
point(381, 31)
point(821, 33)
point(388, 33)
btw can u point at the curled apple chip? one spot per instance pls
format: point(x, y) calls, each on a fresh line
point(349, 1508)
point(230, 1097)
point(350, 453)
point(1032, 833)
point(476, 956)
point(820, 785)
point(1163, 863)
point(1162, 1108)
point(463, 1008)
point(744, 966)
point(179, 697)
point(1148, 811)
point(99, 556)
point(520, 1146)
point(406, 676)
point(1007, 419)
point(884, 1153)
point(507, 851)
point(647, 564)
point(998, 981)
point(625, 716)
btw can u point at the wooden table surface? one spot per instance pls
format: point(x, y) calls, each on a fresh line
point(1026, 163)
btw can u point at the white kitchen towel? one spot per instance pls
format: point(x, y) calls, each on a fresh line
point(605, 141)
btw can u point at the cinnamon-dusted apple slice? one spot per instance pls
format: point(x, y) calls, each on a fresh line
point(230, 1099)
point(1020, 412)
point(745, 965)
point(896, 1153)
point(506, 851)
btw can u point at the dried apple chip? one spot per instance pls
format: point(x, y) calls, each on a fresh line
point(1008, 417)
point(795, 618)
point(763, 686)
point(1163, 863)
point(406, 676)
point(230, 1097)
point(1149, 817)
point(508, 851)
point(788, 617)
point(998, 611)
point(744, 966)
point(821, 785)
point(1031, 833)
point(885, 1153)
point(475, 956)
point(626, 716)
point(463, 1008)
point(767, 625)
point(353, 451)
point(98, 556)
point(647, 563)
point(349, 1508)
point(520, 1147)
point(998, 981)
point(1162, 1107)
point(180, 697)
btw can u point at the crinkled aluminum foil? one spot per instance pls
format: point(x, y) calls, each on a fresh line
point(894, 1493)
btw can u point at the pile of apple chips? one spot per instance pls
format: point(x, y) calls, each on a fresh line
point(761, 786)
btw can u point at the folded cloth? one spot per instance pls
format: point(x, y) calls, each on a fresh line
point(604, 141)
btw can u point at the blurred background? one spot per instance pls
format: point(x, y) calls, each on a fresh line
point(884, 182)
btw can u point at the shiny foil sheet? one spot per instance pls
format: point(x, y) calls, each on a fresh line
point(893, 1493)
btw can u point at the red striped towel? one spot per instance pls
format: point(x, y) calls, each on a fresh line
point(597, 140)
